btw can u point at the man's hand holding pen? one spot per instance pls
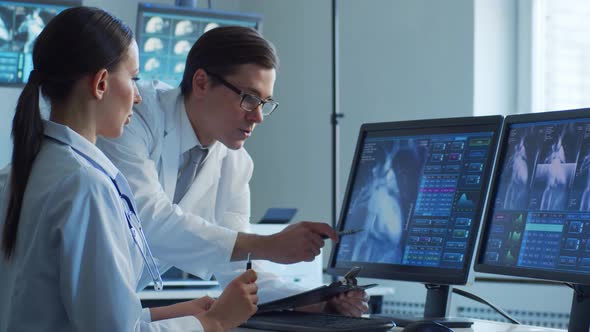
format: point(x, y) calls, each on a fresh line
point(299, 242)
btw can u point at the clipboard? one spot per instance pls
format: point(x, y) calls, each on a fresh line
point(316, 295)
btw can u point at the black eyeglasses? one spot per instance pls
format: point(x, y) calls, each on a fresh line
point(249, 102)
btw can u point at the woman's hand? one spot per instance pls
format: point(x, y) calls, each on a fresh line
point(235, 305)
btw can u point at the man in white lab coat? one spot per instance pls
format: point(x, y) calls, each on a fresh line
point(183, 156)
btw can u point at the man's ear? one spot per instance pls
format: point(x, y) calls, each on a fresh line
point(200, 81)
point(99, 83)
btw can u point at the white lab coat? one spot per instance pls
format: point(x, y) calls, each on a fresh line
point(198, 234)
point(75, 266)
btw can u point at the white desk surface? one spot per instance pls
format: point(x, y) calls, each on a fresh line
point(478, 326)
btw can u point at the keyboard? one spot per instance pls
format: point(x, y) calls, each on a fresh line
point(294, 321)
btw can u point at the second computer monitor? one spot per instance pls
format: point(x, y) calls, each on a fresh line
point(416, 193)
point(539, 224)
point(539, 220)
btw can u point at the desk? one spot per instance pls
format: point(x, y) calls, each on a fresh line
point(478, 326)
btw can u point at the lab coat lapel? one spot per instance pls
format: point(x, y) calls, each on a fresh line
point(169, 102)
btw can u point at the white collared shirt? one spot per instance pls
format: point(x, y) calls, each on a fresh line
point(75, 266)
point(189, 140)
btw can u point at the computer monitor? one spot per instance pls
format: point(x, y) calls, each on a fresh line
point(20, 24)
point(538, 224)
point(417, 190)
point(165, 35)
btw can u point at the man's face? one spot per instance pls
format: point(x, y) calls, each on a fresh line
point(226, 121)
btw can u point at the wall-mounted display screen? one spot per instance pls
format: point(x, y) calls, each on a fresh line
point(20, 24)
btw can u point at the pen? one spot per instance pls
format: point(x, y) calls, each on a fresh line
point(249, 263)
point(347, 232)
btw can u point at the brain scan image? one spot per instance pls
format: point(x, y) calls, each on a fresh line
point(183, 28)
point(166, 34)
point(210, 26)
point(151, 64)
point(179, 67)
point(155, 25)
point(153, 45)
point(182, 47)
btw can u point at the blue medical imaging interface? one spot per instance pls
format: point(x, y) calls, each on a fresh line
point(416, 197)
point(541, 212)
point(20, 24)
point(165, 37)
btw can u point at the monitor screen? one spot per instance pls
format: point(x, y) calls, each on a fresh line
point(416, 193)
point(20, 24)
point(539, 220)
point(165, 35)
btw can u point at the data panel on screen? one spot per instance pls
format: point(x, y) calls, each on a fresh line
point(541, 201)
point(417, 195)
point(165, 35)
point(20, 24)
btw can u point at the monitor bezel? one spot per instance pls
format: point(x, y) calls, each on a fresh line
point(480, 266)
point(65, 3)
point(416, 273)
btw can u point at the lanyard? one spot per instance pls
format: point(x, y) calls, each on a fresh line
point(137, 231)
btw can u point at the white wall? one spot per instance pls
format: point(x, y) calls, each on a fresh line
point(495, 56)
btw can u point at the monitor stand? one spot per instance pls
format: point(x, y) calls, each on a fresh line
point(435, 309)
point(579, 317)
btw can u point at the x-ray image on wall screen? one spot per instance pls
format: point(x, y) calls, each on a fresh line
point(20, 24)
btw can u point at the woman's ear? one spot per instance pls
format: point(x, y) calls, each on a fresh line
point(99, 83)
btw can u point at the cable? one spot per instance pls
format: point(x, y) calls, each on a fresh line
point(209, 4)
point(480, 300)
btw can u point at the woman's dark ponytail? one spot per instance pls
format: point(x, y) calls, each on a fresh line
point(27, 135)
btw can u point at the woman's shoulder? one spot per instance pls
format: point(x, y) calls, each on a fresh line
point(66, 167)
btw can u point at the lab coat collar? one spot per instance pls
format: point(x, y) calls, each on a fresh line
point(81, 145)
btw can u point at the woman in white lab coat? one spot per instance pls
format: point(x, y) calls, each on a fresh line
point(72, 246)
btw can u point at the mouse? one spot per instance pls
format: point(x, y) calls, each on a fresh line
point(426, 326)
